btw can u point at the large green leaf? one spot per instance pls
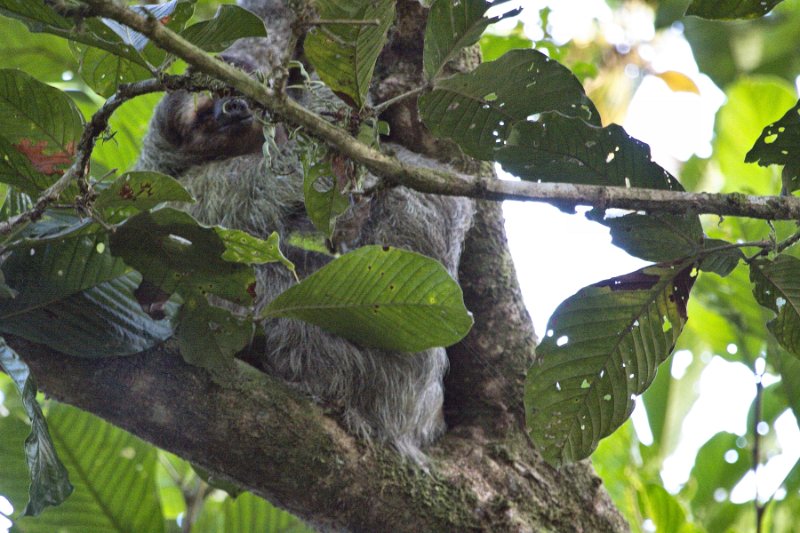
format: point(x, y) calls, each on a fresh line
point(49, 482)
point(41, 128)
point(43, 56)
point(344, 54)
point(382, 297)
point(656, 237)
point(602, 348)
point(731, 9)
point(777, 287)
point(113, 473)
point(453, 26)
point(230, 23)
point(663, 509)
point(323, 192)
point(479, 109)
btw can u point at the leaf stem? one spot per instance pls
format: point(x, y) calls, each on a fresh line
point(380, 108)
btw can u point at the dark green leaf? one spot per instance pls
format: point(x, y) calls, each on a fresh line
point(777, 287)
point(41, 124)
point(789, 369)
point(731, 9)
point(480, 108)
point(49, 480)
point(723, 260)
point(141, 191)
point(382, 297)
point(175, 253)
point(779, 144)
point(345, 54)
point(565, 149)
point(209, 336)
point(453, 26)
point(230, 23)
point(657, 237)
point(104, 72)
point(602, 348)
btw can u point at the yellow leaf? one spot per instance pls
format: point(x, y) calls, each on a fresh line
point(678, 82)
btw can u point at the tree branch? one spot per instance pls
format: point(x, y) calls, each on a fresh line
point(440, 181)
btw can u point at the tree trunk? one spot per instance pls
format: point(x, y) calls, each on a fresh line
point(484, 474)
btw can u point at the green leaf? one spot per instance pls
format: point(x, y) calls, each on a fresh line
point(49, 480)
point(344, 54)
point(723, 260)
point(177, 254)
point(141, 191)
point(251, 513)
point(45, 57)
point(241, 247)
point(121, 149)
point(41, 124)
point(777, 287)
point(556, 148)
point(731, 9)
point(480, 108)
point(104, 72)
point(779, 144)
point(453, 26)
point(113, 473)
point(657, 237)
point(381, 297)
point(230, 23)
point(602, 348)
point(789, 369)
point(209, 336)
point(323, 192)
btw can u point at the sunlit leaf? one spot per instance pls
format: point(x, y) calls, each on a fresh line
point(663, 509)
point(777, 287)
point(344, 54)
point(241, 247)
point(382, 297)
point(49, 482)
point(731, 9)
point(479, 109)
point(453, 26)
point(602, 348)
point(493, 46)
point(678, 81)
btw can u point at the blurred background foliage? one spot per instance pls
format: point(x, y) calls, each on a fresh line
point(665, 474)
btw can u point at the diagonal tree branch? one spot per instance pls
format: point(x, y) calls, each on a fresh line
point(440, 181)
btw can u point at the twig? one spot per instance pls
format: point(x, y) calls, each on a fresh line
point(349, 22)
point(380, 108)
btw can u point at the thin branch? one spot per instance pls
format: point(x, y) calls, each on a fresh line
point(380, 108)
point(349, 22)
point(759, 506)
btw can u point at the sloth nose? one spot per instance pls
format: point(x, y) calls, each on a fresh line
point(231, 110)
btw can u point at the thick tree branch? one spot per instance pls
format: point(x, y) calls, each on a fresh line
point(440, 181)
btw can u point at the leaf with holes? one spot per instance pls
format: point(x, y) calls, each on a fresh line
point(731, 9)
point(381, 297)
point(49, 480)
point(557, 148)
point(41, 129)
point(479, 109)
point(602, 348)
point(344, 53)
point(323, 188)
point(141, 191)
point(655, 237)
point(453, 26)
point(777, 287)
point(779, 144)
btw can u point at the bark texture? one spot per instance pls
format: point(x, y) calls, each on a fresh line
point(484, 474)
